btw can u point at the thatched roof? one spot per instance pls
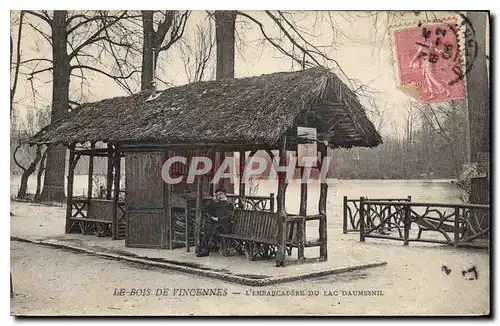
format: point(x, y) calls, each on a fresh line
point(256, 110)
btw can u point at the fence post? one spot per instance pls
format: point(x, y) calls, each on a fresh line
point(456, 228)
point(409, 200)
point(389, 220)
point(271, 202)
point(407, 223)
point(361, 219)
point(344, 220)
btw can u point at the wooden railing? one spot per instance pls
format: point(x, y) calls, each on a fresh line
point(351, 214)
point(257, 203)
point(451, 224)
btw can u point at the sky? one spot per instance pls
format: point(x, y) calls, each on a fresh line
point(362, 48)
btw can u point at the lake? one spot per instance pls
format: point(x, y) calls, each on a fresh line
point(420, 190)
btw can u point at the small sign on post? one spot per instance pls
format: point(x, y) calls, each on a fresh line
point(308, 149)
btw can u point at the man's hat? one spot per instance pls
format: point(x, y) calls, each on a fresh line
point(220, 190)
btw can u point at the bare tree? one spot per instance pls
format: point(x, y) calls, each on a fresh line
point(78, 41)
point(196, 53)
point(171, 23)
point(444, 120)
point(26, 161)
point(18, 59)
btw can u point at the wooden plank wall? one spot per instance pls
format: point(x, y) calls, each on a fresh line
point(145, 200)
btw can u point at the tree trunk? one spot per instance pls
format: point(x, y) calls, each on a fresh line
point(147, 49)
point(462, 107)
point(23, 188)
point(478, 90)
point(39, 176)
point(53, 186)
point(153, 40)
point(478, 100)
point(11, 92)
point(224, 35)
point(18, 60)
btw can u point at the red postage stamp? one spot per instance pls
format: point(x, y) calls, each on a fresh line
point(429, 64)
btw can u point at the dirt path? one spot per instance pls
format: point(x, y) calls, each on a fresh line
point(55, 282)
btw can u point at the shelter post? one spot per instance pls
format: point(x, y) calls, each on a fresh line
point(242, 171)
point(271, 204)
point(280, 255)
point(197, 224)
point(323, 193)
point(69, 192)
point(168, 226)
point(302, 212)
point(109, 176)
point(186, 227)
point(91, 171)
point(116, 194)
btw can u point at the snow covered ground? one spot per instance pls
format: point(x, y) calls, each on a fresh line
point(51, 281)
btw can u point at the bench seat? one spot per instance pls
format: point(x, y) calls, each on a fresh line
point(249, 238)
point(254, 233)
point(84, 219)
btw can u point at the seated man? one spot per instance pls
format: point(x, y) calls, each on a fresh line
point(217, 216)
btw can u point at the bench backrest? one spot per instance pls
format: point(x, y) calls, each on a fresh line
point(257, 203)
point(100, 209)
point(259, 224)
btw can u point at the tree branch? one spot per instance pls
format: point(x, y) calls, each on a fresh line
point(305, 51)
point(270, 40)
point(94, 38)
point(163, 28)
point(175, 35)
point(45, 18)
point(33, 73)
point(44, 35)
point(18, 61)
point(78, 25)
point(103, 72)
point(15, 159)
point(123, 83)
point(73, 17)
point(36, 59)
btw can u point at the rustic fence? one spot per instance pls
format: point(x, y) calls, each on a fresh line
point(351, 216)
point(451, 224)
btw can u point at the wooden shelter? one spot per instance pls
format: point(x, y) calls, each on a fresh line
point(203, 118)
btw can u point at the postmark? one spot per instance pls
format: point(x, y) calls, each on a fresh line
point(429, 59)
point(467, 36)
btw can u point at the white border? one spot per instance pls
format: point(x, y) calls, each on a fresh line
point(195, 5)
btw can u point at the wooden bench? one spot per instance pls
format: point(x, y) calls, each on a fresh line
point(101, 228)
point(253, 232)
point(98, 219)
